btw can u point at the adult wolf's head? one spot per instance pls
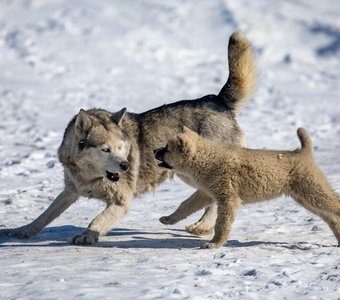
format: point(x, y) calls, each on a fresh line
point(178, 151)
point(95, 144)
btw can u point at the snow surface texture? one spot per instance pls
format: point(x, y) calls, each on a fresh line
point(59, 56)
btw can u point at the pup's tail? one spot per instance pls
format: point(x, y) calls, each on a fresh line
point(305, 140)
point(242, 80)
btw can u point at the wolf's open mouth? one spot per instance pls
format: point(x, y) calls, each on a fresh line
point(112, 176)
point(164, 165)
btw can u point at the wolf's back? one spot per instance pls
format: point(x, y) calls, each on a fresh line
point(242, 80)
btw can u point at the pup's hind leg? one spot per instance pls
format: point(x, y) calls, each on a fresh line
point(58, 206)
point(319, 198)
point(195, 202)
point(332, 220)
point(205, 225)
point(334, 224)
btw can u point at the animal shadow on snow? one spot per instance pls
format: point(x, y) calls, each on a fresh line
point(57, 235)
point(61, 236)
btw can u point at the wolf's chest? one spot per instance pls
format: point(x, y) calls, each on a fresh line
point(100, 189)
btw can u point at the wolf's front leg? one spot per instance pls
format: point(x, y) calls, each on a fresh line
point(104, 222)
point(57, 207)
point(226, 212)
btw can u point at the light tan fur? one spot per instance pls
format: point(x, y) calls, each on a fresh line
point(233, 176)
point(243, 77)
point(109, 156)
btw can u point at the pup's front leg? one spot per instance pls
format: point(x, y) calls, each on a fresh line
point(103, 223)
point(205, 225)
point(195, 202)
point(226, 212)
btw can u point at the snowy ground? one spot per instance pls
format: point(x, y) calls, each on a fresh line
point(58, 56)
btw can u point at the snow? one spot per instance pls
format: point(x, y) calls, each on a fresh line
point(59, 56)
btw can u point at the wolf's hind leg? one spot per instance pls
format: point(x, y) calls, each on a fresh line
point(205, 225)
point(195, 202)
point(57, 207)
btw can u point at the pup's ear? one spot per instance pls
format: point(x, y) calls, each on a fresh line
point(184, 143)
point(179, 142)
point(189, 131)
point(83, 123)
point(118, 116)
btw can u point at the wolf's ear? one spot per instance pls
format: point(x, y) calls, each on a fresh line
point(83, 123)
point(118, 116)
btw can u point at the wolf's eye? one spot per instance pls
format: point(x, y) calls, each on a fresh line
point(106, 150)
point(81, 145)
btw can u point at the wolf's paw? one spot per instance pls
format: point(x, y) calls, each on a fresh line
point(199, 229)
point(85, 239)
point(166, 220)
point(210, 246)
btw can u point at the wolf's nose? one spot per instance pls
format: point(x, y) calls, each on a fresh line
point(124, 166)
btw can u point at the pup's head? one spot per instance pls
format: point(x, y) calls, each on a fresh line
point(95, 142)
point(178, 150)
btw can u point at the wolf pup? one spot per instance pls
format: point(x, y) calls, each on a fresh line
point(109, 156)
point(232, 175)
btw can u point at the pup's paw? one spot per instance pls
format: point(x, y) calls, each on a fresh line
point(199, 229)
point(166, 220)
point(210, 246)
point(85, 239)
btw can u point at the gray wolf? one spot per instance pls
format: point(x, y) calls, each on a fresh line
point(232, 175)
point(109, 156)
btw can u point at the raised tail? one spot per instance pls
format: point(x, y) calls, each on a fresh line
point(242, 80)
point(305, 140)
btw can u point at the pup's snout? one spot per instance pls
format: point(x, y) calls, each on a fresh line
point(124, 166)
point(159, 153)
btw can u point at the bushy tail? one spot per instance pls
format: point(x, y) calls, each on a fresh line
point(242, 80)
point(305, 140)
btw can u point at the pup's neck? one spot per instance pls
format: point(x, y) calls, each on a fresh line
point(195, 165)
